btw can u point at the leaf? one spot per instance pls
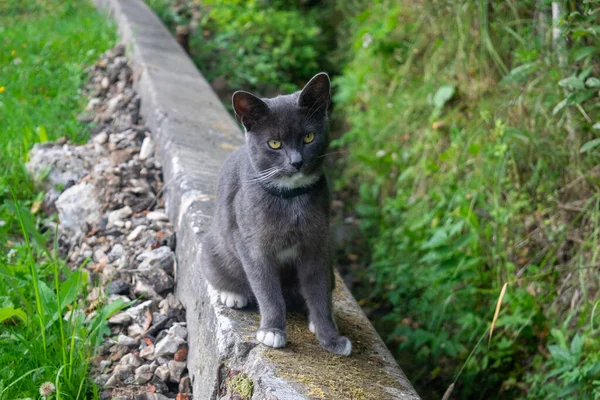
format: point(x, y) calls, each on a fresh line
point(572, 82)
point(577, 344)
point(442, 96)
point(11, 312)
point(583, 52)
point(592, 82)
point(559, 106)
point(580, 96)
point(498, 304)
point(439, 238)
point(43, 133)
point(589, 145)
point(585, 73)
point(596, 125)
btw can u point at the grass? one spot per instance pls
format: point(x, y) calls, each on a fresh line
point(45, 48)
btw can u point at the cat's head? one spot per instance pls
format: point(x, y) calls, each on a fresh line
point(287, 135)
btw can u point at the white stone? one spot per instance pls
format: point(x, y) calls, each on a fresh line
point(77, 207)
point(136, 233)
point(147, 149)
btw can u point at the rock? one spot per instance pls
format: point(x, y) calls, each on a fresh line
point(59, 164)
point(144, 290)
point(118, 287)
point(127, 341)
point(185, 385)
point(147, 148)
point(168, 345)
point(148, 352)
point(93, 103)
point(123, 372)
point(119, 214)
point(105, 83)
point(120, 319)
point(158, 279)
point(77, 207)
point(181, 353)
point(116, 252)
point(135, 330)
point(179, 330)
point(162, 373)
point(176, 369)
point(143, 374)
point(157, 216)
point(131, 359)
point(112, 381)
point(100, 256)
point(136, 233)
point(170, 306)
point(161, 257)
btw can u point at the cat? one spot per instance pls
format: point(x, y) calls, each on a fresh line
point(269, 239)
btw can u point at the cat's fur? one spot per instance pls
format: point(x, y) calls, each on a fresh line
point(269, 237)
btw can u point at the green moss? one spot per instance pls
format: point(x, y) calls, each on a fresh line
point(241, 385)
point(327, 376)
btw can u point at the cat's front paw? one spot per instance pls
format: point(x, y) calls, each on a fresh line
point(311, 327)
point(340, 345)
point(233, 300)
point(271, 337)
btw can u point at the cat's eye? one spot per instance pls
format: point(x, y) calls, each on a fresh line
point(274, 144)
point(309, 138)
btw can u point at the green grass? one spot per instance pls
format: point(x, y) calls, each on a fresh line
point(45, 48)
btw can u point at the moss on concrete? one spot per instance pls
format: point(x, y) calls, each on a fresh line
point(241, 385)
point(326, 376)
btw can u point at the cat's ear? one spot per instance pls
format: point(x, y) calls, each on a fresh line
point(316, 94)
point(248, 108)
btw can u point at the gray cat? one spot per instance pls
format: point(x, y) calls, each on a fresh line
point(269, 237)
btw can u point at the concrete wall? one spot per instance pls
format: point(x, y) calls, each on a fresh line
point(194, 134)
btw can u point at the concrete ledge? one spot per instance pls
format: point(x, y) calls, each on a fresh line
point(194, 134)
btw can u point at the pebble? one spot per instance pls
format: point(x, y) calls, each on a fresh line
point(157, 216)
point(176, 369)
point(136, 233)
point(127, 341)
point(119, 214)
point(162, 372)
point(143, 374)
point(147, 148)
point(112, 214)
point(123, 372)
point(161, 257)
point(132, 360)
point(101, 138)
point(118, 287)
point(168, 345)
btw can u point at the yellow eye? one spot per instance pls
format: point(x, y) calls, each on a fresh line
point(309, 138)
point(274, 144)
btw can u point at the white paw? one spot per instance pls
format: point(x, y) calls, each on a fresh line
point(347, 348)
point(271, 337)
point(311, 327)
point(233, 300)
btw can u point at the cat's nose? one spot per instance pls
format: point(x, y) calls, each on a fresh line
point(297, 164)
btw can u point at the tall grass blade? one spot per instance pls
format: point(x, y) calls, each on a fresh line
point(498, 304)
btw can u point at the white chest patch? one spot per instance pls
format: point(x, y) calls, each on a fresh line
point(288, 254)
point(295, 181)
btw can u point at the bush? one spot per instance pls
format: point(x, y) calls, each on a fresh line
point(459, 117)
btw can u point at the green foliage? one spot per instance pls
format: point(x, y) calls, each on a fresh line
point(256, 45)
point(259, 46)
point(459, 113)
point(45, 47)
